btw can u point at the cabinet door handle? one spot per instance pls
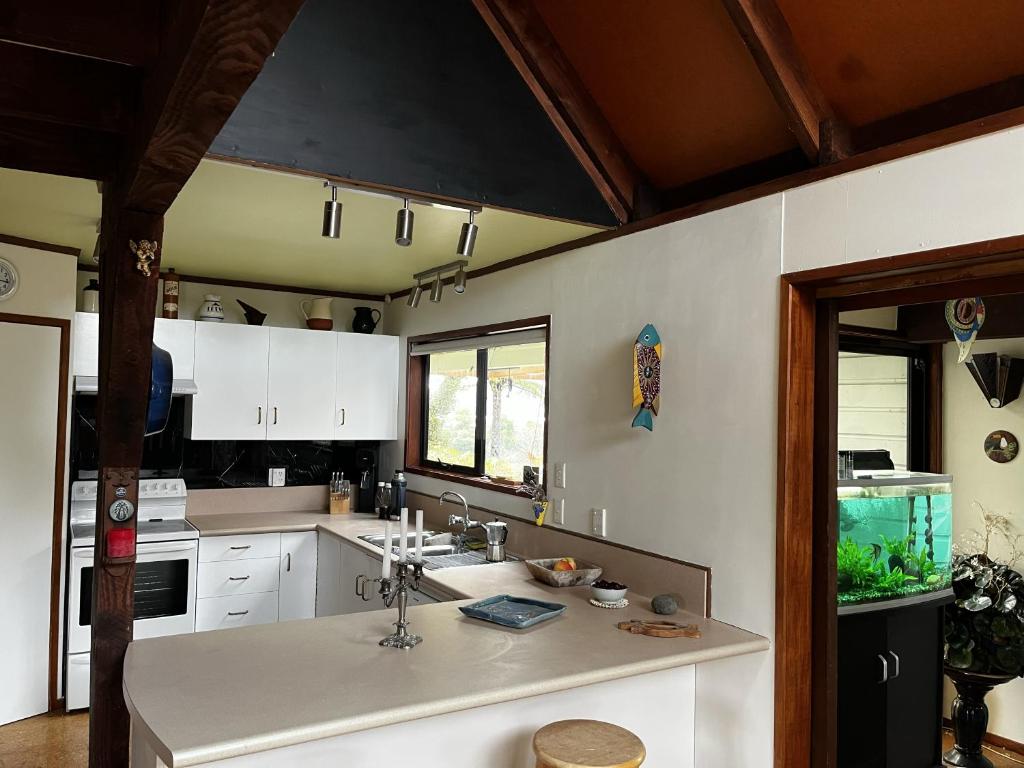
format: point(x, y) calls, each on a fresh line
point(896, 672)
point(275, 414)
point(342, 423)
point(885, 669)
point(237, 613)
point(238, 578)
point(242, 546)
point(288, 567)
point(259, 414)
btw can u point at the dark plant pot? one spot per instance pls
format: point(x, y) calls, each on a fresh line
point(970, 717)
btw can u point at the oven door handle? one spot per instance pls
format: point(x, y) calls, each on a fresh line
point(155, 548)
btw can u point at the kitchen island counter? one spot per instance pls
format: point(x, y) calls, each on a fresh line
point(212, 696)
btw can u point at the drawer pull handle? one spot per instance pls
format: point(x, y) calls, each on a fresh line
point(237, 613)
point(243, 546)
point(238, 578)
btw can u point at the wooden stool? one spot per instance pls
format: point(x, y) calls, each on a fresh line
point(587, 744)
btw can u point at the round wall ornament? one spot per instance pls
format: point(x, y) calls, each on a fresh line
point(8, 279)
point(1001, 446)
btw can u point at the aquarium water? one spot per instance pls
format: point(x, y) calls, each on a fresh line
point(894, 536)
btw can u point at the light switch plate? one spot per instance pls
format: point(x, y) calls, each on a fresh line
point(559, 512)
point(275, 477)
point(560, 475)
point(597, 523)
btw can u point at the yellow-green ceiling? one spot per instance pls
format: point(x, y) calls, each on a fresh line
point(238, 223)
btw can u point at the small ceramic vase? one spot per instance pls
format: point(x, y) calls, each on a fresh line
point(365, 321)
point(211, 310)
point(318, 313)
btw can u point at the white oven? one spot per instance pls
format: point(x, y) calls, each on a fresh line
point(165, 591)
point(166, 564)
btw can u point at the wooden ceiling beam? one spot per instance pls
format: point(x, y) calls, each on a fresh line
point(964, 108)
point(54, 87)
point(62, 150)
point(121, 31)
point(212, 51)
point(533, 51)
point(821, 135)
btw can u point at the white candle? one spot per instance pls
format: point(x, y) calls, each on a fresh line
point(403, 533)
point(385, 570)
point(419, 535)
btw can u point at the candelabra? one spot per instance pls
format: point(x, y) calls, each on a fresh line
point(407, 576)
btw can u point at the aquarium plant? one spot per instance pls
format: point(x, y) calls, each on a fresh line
point(883, 571)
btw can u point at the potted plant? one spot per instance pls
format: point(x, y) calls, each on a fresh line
point(984, 633)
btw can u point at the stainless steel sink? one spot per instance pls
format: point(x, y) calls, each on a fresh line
point(438, 550)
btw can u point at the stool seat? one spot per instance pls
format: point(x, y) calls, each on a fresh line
point(587, 744)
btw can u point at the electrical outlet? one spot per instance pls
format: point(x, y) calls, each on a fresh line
point(597, 522)
point(275, 477)
point(559, 512)
point(560, 475)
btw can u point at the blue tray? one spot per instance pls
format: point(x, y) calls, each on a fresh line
point(515, 612)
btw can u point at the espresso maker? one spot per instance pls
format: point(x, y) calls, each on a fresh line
point(497, 535)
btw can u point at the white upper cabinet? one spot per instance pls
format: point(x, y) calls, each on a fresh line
point(301, 389)
point(367, 391)
point(231, 372)
point(175, 336)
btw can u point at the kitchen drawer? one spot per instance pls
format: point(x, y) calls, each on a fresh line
point(236, 611)
point(216, 548)
point(239, 577)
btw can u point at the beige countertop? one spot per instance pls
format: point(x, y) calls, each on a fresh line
point(214, 695)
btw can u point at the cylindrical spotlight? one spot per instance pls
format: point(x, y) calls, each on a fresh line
point(467, 238)
point(435, 290)
point(332, 214)
point(414, 296)
point(460, 280)
point(403, 227)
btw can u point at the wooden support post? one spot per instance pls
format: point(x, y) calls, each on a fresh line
point(127, 301)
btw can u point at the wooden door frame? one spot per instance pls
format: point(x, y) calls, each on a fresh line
point(805, 723)
point(56, 558)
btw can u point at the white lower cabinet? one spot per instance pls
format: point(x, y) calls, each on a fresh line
point(235, 610)
point(298, 566)
point(338, 565)
point(256, 579)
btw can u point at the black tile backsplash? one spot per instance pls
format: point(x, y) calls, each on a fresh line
point(221, 463)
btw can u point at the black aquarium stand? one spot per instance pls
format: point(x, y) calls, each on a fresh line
point(890, 687)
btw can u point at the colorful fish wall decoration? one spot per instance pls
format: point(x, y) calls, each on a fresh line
point(965, 318)
point(647, 377)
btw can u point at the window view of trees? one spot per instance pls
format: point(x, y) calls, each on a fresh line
point(513, 419)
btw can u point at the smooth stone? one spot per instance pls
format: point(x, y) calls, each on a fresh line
point(666, 605)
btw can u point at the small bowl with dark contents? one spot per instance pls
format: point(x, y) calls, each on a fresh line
point(608, 591)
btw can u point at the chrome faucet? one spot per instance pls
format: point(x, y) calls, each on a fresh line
point(464, 521)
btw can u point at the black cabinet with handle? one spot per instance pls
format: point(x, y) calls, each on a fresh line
point(890, 688)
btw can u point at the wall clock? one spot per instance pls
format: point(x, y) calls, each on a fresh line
point(8, 279)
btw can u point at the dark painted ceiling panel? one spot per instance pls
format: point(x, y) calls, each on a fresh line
point(416, 95)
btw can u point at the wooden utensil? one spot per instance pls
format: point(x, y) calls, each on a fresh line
point(659, 628)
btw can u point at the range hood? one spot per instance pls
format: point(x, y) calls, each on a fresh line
point(90, 384)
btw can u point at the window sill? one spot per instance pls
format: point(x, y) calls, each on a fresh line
point(476, 482)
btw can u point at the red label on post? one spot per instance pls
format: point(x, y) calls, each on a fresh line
point(121, 542)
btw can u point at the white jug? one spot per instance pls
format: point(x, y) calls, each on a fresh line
point(318, 316)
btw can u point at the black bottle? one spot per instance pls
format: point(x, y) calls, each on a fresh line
point(398, 485)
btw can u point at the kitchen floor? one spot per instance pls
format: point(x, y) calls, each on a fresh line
point(46, 741)
point(62, 741)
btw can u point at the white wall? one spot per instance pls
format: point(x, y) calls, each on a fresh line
point(282, 307)
point(957, 194)
point(966, 420)
point(699, 487)
point(46, 288)
point(702, 486)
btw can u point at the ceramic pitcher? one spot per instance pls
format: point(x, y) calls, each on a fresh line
point(318, 315)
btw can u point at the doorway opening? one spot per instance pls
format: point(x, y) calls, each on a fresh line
point(812, 336)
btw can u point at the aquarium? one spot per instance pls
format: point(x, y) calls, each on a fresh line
point(895, 538)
